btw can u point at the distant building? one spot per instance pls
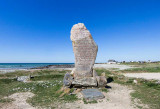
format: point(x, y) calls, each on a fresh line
point(112, 61)
point(123, 61)
point(141, 62)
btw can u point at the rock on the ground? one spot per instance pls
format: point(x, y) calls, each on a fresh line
point(92, 94)
point(103, 74)
point(86, 81)
point(85, 51)
point(23, 78)
point(158, 82)
point(135, 81)
point(67, 81)
point(102, 81)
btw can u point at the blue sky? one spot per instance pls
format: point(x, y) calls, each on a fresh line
point(39, 30)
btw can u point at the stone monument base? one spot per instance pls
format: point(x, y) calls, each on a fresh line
point(86, 82)
point(95, 81)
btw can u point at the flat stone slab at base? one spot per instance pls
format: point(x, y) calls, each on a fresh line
point(92, 94)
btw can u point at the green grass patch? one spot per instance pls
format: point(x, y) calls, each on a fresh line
point(143, 69)
point(99, 71)
point(44, 85)
point(34, 73)
point(5, 100)
point(89, 102)
point(104, 90)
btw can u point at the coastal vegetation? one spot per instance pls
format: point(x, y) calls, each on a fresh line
point(141, 70)
point(46, 83)
point(147, 91)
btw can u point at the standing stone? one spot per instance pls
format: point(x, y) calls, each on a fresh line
point(85, 51)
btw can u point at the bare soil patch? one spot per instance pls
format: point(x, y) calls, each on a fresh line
point(118, 97)
point(19, 101)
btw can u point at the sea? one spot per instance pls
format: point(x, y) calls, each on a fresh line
point(27, 65)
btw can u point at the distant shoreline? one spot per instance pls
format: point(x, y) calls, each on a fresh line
point(15, 66)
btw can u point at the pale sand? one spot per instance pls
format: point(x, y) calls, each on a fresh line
point(19, 101)
point(148, 76)
point(109, 66)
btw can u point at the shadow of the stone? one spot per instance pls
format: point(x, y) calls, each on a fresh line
point(109, 80)
point(108, 87)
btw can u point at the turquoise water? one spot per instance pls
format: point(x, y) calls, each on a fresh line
point(26, 65)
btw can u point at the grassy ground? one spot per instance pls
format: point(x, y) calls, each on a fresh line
point(143, 69)
point(44, 85)
point(141, 64)
point(147, 91)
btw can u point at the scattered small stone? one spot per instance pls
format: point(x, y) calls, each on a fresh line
point(67, 81)
point(158, 82)
point(135, 81)
point(23, 78)
point(102, 81)
point(103, 74)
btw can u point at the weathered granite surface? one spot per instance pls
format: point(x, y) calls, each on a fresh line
point(102, 81)
point(86, 81)
point(95, 73)
point(92, 94)
point(85, 51)
point(67, 81)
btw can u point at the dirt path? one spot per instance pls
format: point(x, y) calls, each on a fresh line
point(144, 75)
point(118, 97)
point(19, 101)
